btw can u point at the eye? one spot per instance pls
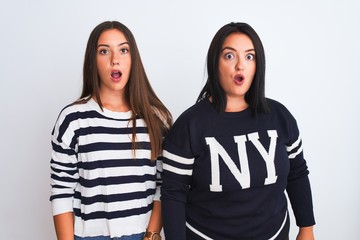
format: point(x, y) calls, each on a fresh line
point(124, 50)
point(103, 51)
point(250, 57)
point(229, 56)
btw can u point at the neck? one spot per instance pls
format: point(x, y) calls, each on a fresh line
point(236, 105)
point(114, 102)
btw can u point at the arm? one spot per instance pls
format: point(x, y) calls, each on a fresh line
point(305, 233)
point(299, 192)
point(64, 226)
point(178, 161)
point(155, 223)
point(174, 191)
point(64, 178)
point(173, 212)
point(298, 186)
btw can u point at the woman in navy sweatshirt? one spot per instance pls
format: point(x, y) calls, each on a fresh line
point(229, 159)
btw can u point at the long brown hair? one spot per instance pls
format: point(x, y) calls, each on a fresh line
point(138, 92)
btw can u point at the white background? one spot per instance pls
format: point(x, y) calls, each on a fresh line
point(312, 52)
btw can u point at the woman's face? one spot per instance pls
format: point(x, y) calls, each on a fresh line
point(113, 61)
point(237, 66)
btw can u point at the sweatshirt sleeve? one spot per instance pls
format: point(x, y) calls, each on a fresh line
point(63, 166)
point(298, 187)
point(177, 171)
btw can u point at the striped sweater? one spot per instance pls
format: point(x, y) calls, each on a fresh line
point(96, 174)
point(225, 175)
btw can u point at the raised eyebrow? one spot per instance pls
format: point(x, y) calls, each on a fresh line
point(250, 50)
point(123, 44)
point(233, 49)
point(228, 48)
point(106, 45)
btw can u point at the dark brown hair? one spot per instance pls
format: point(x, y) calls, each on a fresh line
point(138, 92)
point(255, 97)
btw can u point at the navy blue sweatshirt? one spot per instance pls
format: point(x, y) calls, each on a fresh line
point(225, 174)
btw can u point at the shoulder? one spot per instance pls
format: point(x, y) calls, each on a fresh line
point(282, 116)
point(191, 120)
point(75, 107)
point(274, 104)
point(278, 108)
point(196, 112)
point(198, 109)
point(285, 121)
point(187, 128)
point(76, 110)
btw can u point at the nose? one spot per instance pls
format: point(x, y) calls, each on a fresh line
point(239, 65)
point(115, 60)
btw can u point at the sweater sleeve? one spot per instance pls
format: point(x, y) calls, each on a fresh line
point(177, 171)
point(159, 170)
point(63, 166)
point(298, 187)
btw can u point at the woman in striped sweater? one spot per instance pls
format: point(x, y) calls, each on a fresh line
point(106, 164)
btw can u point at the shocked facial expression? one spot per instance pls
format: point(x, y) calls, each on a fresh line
point(237, 66)
point(113, 61)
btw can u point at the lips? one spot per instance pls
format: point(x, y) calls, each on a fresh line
point(239, 79)
point(116, 74)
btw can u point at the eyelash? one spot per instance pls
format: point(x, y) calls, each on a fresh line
point(124, 50)
point(229, 54)
point(252, 56)
point(105, 51)
point(226, 55)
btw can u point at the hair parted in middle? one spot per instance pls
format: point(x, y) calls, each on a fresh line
point(255, 97)
point(141, 98)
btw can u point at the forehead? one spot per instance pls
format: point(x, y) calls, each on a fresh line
point(111, 35)
point(238, 40)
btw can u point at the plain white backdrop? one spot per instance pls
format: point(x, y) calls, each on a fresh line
point(312, 52)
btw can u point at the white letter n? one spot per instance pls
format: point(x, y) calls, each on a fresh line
point(217, 150)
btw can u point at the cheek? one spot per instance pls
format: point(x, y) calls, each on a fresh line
point(102, 72)
point(223, 82)
point(223, 69)
point(221, 77)
point(102, 66)
point(128, 64)
point(251, 69)
point(99, 65)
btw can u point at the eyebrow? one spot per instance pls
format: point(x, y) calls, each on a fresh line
point(106, 45)
point(233, 49)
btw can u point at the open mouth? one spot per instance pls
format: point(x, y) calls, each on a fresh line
point(116, 74)
point(239, 79)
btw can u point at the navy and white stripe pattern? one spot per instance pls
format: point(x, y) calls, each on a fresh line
point(96, 174)
point(179, 165)
point(295, 149)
